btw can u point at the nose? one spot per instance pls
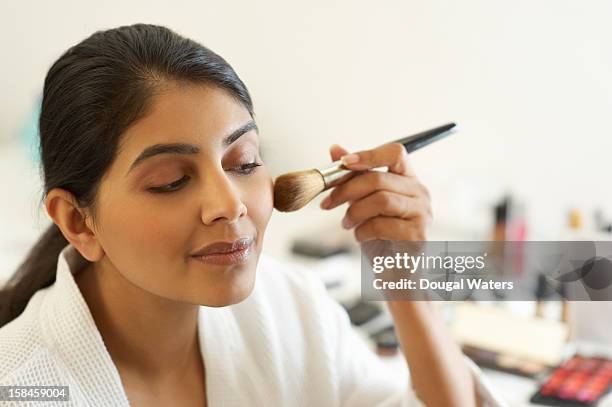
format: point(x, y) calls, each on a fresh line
point(221, 200)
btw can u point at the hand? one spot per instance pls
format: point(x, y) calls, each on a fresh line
point(386, 207)
point(390, 205)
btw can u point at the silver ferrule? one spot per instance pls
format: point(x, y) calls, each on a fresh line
point(334, 174)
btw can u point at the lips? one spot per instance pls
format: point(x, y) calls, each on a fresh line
point(226, 253)
point(223, 247)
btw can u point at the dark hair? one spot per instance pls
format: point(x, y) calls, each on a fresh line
point(91, 95)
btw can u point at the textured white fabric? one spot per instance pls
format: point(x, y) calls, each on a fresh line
point(287, 344)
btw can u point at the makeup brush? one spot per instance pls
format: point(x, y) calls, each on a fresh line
point(294, 190)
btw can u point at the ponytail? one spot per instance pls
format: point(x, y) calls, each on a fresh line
point(36, 272)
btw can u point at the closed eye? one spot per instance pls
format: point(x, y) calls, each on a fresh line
point(173, 186)
point(248, 168)
point(243, 169)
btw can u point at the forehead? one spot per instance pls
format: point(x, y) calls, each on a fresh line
point(196, 114)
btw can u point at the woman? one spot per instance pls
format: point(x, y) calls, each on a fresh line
point(144, 290)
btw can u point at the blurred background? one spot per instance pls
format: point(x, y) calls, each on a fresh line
point(528, 83)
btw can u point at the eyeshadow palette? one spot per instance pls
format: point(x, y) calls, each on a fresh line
point(580, 381)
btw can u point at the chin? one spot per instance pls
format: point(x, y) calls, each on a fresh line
point(232, 291)
point(231, 296)
point(220, 286)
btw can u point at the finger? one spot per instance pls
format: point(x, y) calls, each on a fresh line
point(388, 228)
point(384, 203)
point(392, 155)
point(336, 151)
point(367, 182)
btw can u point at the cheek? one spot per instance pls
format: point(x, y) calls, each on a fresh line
point(140, 233)
point(258, 198)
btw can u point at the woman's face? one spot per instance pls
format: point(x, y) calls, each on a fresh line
point(184, 177)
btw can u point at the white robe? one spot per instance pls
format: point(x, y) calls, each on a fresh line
point(287, 344)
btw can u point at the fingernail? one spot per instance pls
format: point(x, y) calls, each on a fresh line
point(326, 202)
point(350, 159)
point(346, 223)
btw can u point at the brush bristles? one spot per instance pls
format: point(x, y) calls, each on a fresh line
point(294, 190)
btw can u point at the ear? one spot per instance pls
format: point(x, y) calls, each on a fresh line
point(74, 223)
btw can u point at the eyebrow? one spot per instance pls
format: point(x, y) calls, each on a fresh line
point(183, 148)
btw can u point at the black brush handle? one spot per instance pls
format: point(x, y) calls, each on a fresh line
point(336, 173)
point(419, 140)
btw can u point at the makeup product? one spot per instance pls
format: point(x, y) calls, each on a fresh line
point(386, 341)
point(579, 382)
point(362, 312)
point(515, 339)
point(504, 362)
point(321, 245)
point(294, 190)
point(501, 220)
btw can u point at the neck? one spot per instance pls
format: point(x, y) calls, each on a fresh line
point(144, 333)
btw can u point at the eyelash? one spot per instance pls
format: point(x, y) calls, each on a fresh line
point(244, 169)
